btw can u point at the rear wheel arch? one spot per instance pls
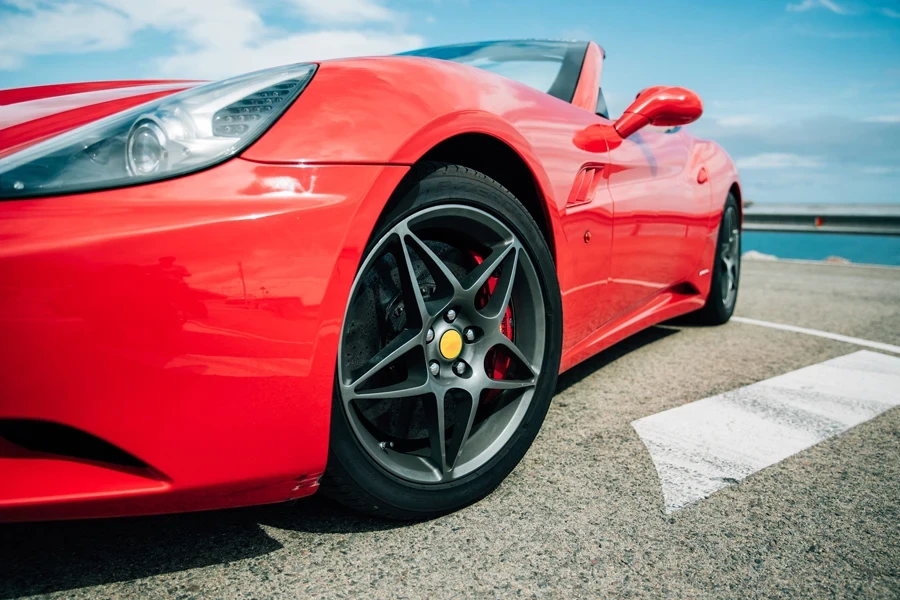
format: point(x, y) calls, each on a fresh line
point(735, 190)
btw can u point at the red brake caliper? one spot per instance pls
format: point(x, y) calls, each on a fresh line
point(496, 364)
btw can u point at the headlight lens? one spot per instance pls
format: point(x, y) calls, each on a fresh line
point(146, 148)
point(171, 136)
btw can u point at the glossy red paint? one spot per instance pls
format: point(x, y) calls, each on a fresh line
point(39, 92)
point(702, 175)
point(29, 117)
point(661, 106)
point(193, 323)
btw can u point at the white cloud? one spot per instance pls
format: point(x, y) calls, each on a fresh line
point(838, 9)
point(811, 4)
point(212, 38)
point(740, 121)
point(344, 11)
point(836, 35)
point(883, 119)
point(214, 63)
point(779, 160)
point(63, 28)
point(879, 170)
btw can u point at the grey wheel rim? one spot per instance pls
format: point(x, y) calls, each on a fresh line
point(729, 262)
point(458, 430)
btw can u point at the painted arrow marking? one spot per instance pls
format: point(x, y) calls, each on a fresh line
point(704, 446)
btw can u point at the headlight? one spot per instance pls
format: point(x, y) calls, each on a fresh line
point(171, 136)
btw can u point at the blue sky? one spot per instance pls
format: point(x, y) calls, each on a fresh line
point(804, 94)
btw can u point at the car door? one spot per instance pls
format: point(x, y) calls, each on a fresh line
point(653, 206)
point(578, 184)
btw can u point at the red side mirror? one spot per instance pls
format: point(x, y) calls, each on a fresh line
point(665, 106)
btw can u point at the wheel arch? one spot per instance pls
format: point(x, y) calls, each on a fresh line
point(487, 143)
point(735, 190)
point(499, 161)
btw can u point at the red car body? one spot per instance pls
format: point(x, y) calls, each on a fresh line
point(192, 324)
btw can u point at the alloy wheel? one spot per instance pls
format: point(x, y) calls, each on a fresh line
point(442, 345)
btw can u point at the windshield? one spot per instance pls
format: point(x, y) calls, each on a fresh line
point(551, 67)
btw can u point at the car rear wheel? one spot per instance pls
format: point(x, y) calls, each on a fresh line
point(726, 270)
point(449, 350)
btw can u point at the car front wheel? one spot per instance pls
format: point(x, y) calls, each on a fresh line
point(449, 350)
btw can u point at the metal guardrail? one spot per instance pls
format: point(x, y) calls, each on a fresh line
point(863, 219)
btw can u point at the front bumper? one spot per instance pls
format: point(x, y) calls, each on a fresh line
point(189, 325)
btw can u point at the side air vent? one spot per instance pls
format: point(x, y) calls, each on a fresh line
point(64, 441)
point(585, 186)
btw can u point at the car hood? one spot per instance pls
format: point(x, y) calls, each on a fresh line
point(31, 115)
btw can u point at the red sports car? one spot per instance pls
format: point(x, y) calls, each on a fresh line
point(361, 274)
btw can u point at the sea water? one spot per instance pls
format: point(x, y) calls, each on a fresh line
point(870, 249)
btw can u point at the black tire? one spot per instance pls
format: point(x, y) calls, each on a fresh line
point(719, 304)
point(353, 477)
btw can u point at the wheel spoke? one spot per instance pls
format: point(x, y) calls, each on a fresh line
point(480, 274)
point(414, 386)
point(434, 415)
point(409, 285)
point(446, 283)
point(725, 284)
point(507, 344)
point(509, 384)
point(395, 349)
point(726, 260)
point(465, 413)
point(502, 292)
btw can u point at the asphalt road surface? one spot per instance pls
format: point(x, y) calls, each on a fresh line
point(583, 515)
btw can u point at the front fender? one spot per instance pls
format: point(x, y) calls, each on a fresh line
point(393, 110)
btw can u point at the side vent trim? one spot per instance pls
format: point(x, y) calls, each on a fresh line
point(585, 187)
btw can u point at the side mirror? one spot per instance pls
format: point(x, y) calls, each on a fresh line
point(664, 106)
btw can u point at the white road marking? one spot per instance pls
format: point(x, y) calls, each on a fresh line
point(702, 447)
point(822, 334)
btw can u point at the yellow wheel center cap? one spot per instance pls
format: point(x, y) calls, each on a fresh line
point(451, 344)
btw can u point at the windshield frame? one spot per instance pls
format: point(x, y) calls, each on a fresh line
point(566, 81)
